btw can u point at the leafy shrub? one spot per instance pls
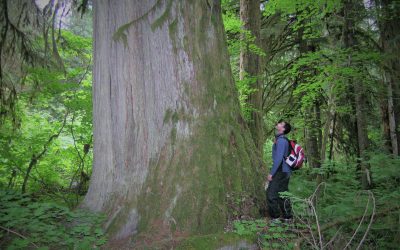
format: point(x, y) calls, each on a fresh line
point(27, 223)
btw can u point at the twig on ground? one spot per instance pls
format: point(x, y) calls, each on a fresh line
point(18, 234)
point(370, 222)
point(359, 225)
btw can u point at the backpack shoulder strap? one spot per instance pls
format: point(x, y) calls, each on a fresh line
point(290, 145)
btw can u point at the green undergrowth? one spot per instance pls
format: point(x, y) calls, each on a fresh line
point(214, 241)
point(29, 223)
point(337, 209)
point(268, 235)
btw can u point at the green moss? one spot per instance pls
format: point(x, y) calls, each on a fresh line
point(186, 43)
point(175, 117)
point(160, 21)
point(173, 135)
point(172, 29)
point(213, 241)
point(167, 115)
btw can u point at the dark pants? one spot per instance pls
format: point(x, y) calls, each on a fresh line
point(276, 204)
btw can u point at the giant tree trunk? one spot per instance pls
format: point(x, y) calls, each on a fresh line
point(250, 67)
point(169, 143)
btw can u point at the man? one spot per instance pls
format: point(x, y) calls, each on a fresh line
point(279, 175)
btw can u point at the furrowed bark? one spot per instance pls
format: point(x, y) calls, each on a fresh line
point(169, 141)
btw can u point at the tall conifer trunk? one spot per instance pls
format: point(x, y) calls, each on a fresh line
point(350, 9)
point(250, 67)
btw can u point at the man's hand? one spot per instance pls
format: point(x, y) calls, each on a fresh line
point(270, 177)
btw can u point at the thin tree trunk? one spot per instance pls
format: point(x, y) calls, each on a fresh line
point(329, 124)
point(312, 125)
point(388, 22)
point(313, 155)
point(318, 123)
point(331, 137)
point(250, 67)
point(392, 119)
point(385, 121)
point(170, 145)
point(36, 157)
point(326, 135)
point(361, 108)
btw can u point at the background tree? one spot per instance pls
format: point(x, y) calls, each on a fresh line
point(349, 40)
point(388, 18)
point(250, 67)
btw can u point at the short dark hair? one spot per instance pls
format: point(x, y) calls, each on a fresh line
point(287, 126)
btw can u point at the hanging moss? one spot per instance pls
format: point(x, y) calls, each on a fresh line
point(172, 29)
point(160, 21)
point(167, 115)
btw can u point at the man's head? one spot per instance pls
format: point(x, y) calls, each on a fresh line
point(283, 127)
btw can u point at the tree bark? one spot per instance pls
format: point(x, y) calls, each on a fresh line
point(392, 119)
point(169, 142)
point(312, 132)
point(388, 25)
point(250, 67)
point(349, 39)
point(318, 123)
point(311, 116)
point(329, 127)
point(385, 120)
point(332, 136)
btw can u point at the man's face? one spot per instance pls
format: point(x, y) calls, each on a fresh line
point(280, 127)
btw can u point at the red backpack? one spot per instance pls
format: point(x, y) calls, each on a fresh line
point(296, 155)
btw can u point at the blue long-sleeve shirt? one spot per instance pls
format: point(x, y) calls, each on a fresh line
point(279, 151)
